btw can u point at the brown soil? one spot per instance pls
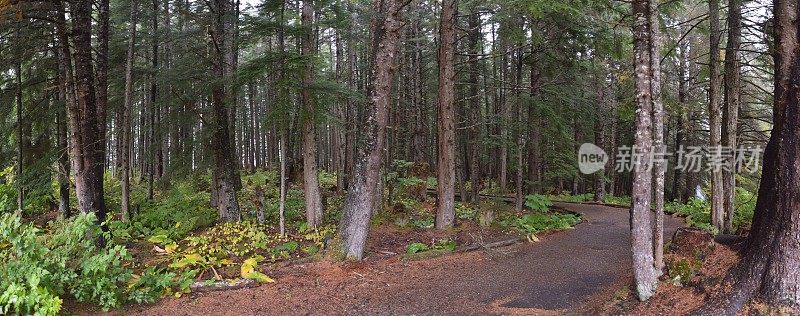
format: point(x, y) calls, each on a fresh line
point(554, 276)
point(670, 299)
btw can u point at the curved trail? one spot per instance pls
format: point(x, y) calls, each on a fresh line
point(555, 276)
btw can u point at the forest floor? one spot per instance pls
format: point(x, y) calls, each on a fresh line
point(561, 274)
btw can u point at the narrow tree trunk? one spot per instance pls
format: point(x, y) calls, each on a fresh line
point(599, 137)
point(67, 93)
point(20, 178)
point(313, 202)
point(126, 116)
point(154, 145)
point(730, 111)
point(474, 116)
point(445, 168)
point(359, 203)
point(641, 226)
point(715, 118)
point(659, 165)
point(282, 203)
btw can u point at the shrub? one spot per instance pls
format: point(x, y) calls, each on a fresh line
point(538, 203)
point(40, 267)
point(180, 212)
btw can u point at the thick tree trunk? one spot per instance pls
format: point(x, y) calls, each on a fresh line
point(641, 225)
point(715, 118)
point(223, 150)
point(102, 76)
point(730, 111)
point(313, 201)
point(445, 168)
point(126, 117)
point(769, 270)
point(87, 146)
point(359, 203)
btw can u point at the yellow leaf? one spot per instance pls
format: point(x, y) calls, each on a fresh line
point(171, 247)
point(533, 238)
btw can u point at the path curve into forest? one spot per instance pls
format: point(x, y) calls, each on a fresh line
point(554, 276)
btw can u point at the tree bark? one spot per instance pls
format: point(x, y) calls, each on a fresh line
point(386, 26)
point(313, 202)
point(222, 146)
point(126, 116)
point(87, 146)
point(730, 111)
point(715, 118)
point(474, 116)
point(659, 165)
point(445, 168)
point(641, 226)
point(769, 270)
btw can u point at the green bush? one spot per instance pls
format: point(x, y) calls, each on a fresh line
point(538, 203)
point(539, 222)
point(40, 267)
point(181, 211)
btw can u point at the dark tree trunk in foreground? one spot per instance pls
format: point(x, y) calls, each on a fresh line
point(310, 182)
point(18, 97)
point(599, 137)
point(221, 141)
point(730, 112)
point(769, 270)
point(641, 224)
point(87, 143)
point(445, 169)
point(360, 200)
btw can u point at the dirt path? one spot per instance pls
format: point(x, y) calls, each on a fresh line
point(554, 276)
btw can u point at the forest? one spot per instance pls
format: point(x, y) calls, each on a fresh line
point(397, 157)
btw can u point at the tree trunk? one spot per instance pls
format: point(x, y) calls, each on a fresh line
point(313, 202)
point(87, 146)
point(659, 163)
point(18, 97)
point(126, 116)
point(714, 115)
point(67, 92)
point(153, 144)
point(641, 225)
point(769, 270)
point(445, 168)
point(730, 111)
point(599, 137)
point(222, 146)
point(359, 203)
point(102, 76)
point(474, 116)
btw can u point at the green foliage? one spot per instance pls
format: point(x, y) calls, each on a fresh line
point(40, 267)
point(617, 200)
point(538, 203)
point(416, 247)
point(7, 190)
point(566, 197)
point(465, 211)
point(682, 270)
point(540, 222)
point(181, 211)
point(441, 244)
point(697, 213)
